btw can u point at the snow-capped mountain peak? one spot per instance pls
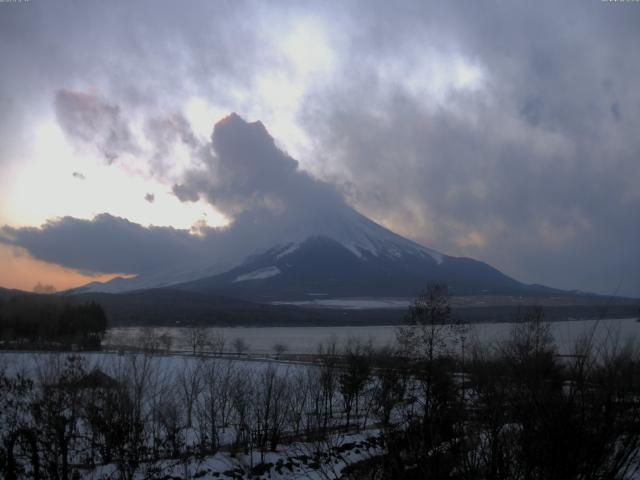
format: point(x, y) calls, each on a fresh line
point(356, 233)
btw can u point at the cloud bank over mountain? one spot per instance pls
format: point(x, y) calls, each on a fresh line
point(243, 174)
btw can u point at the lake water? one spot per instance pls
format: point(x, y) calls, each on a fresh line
point(307, 339)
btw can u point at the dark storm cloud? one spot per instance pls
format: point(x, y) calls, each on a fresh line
point(146, 57)
point(78, 175)
point(88, 118)
point(528, 203)
point(150, 197)
point(168, 130)
point(534, 170)
point(245, 172)
point(163, 133)
point(104, 244)
point(138, 49)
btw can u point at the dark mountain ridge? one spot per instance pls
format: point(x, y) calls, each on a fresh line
point(322, 266)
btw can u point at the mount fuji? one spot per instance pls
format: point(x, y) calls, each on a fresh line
point(295, 238)
point(351, 256)
point(334, 255)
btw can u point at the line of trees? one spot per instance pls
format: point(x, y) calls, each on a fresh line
point(435, 404)
point(45, 322)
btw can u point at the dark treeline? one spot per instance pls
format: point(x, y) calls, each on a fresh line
point(434, 405)
point(48, 322)
point(168, 307)
point(515, 410)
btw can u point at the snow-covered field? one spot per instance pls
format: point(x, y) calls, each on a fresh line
point(306, 339)
point(297, 461)
point(39, 365)
point(167, 386)
point(162, 380)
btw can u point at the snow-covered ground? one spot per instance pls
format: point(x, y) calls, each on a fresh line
point(168, 381)
point(296, 461)
point(39, 364)
point(291, 460)
point(306, 339)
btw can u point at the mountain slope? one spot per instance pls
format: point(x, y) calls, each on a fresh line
point(6, 293)
point(335, 254)
point(321, 266)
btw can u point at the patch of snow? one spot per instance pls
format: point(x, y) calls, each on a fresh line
point(259, 274)
point(290, 461)
point(290, 249)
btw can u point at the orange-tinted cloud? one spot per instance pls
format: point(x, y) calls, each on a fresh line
point(19, 270)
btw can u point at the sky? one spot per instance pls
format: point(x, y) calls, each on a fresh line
point(501, 131)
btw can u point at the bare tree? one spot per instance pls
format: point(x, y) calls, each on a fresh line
point(189, 380)
point(214, 404)
point(166, 340)
point(425, 343)
point(172, 424)
point(270, 409)
point(134, 411)
point(427, 325)
point(327, 380)
point(241, 393)
point(299, 400)
point(279, 349)
point(216, 342)
point(353, 376)
point(148, 341)
point(197, 338)
point(240, 346)
point(391, 380)
point(18, 432)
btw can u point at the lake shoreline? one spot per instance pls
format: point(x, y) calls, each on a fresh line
point(306, 339)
